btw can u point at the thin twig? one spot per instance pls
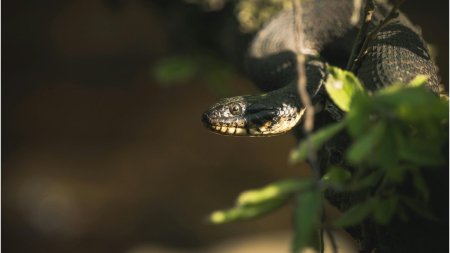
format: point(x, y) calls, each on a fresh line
point(321, 237)
point(368, 14)
point(306, 100)
point(321, 243)
point(392, 14)
point(334, 247)
point(327, 229)
point(301, 84)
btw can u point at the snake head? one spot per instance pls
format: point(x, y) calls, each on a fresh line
point(227, 116)
point(261, 115)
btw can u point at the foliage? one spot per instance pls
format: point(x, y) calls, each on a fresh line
point(308, 211)
point(342, 86)
point(254, 203)
point(203, 66)
point(396, 133)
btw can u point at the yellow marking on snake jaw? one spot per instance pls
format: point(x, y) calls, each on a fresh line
point(231, 130)
point(240, 131)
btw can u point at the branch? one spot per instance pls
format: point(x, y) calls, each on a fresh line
point(301, 84)
point(368, 10)
point(332, 240)
point(306, 100)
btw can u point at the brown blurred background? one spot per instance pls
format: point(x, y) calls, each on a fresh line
point(98, 156)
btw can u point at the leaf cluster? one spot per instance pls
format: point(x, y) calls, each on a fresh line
point(258, 202)
point(396, 132)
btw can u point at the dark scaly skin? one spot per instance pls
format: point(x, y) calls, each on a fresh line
point(397, 54)
point(263, 115)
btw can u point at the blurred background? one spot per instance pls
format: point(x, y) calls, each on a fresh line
point(103, 149)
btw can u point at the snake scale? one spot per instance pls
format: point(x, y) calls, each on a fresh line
point(396, 54)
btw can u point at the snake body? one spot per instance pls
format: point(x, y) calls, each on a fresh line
point(396, 54)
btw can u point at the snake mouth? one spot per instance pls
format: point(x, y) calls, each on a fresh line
point(254, 116)
point(252, 119)
point(219, 127)
point(244, 129)
point(238, 131)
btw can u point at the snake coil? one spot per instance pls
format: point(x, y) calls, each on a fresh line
point(396, 54)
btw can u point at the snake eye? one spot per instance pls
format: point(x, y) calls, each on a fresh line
point(235, 109)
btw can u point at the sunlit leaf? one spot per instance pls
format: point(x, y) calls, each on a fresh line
point(245, 212)
point(356, 214)
point(341, 85)
point(273, 190)
point(308, 210)
point(419, 80)
point(316, 141)
point(411, 104)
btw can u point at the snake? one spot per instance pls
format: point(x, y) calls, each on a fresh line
point(396, 54)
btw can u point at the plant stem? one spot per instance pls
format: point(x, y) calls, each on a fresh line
point(332, 240)
point(301, 84)
point(305, 98)
point(368, 10)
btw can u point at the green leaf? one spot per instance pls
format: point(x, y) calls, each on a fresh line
point(385, 155)
point(421, 152)
point(315, 141)
point(384, 209)
point(336, 175)
point(358, 117)
point(418, 206)
point(365, 145)
point(272, 191)
point(356, 214)
point(365, 181)
point(308, 210)
point(175, 69)
point(419, 80)
point(396, 173)
point(341, 85)
point(420, 185)
point(410, 104)
point(245, 212)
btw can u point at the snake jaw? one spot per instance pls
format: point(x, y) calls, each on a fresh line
point(250, 116)
point(227, 116)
